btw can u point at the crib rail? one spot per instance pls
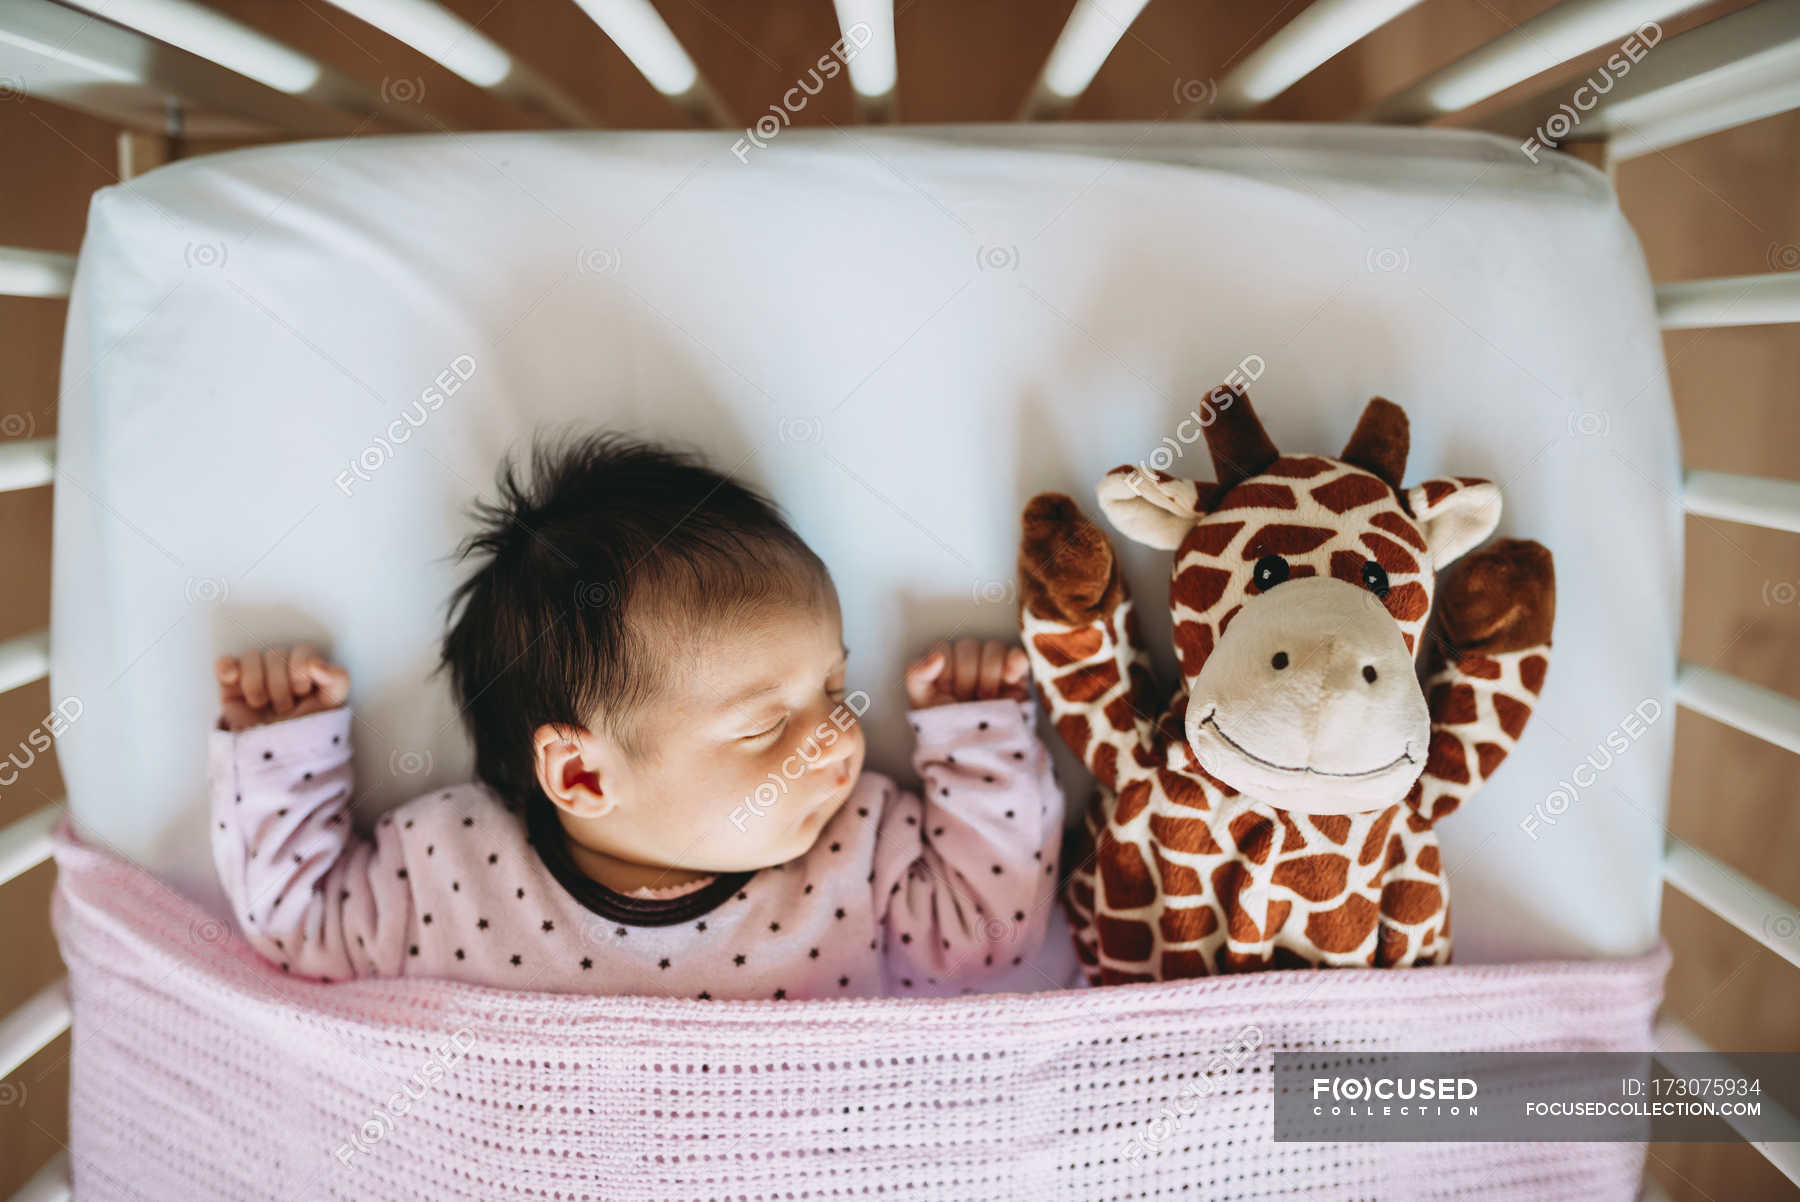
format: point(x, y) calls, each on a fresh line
point(176, 67)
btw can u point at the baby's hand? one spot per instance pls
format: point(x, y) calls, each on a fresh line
point(269, 686)
point(969, 670)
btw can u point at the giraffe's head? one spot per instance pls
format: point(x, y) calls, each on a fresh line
point(1300, 591)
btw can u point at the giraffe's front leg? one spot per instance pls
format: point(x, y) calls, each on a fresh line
point(1486, 668)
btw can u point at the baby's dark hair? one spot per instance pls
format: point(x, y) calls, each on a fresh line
point(613, 542)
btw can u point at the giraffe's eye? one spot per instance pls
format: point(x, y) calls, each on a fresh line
point(1375, 578)
point(1270, 571)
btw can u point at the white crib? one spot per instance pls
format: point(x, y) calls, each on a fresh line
point(165, 69)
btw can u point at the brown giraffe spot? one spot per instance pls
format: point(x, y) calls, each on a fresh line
point(1178, 880)
point(1299, 571)
point(1184, 834)
point(1349, 491)
point(1226, 620)
point(1199, 588)
point(1085, 684)
point(1488, 757)
point(1298, 467)
point(1132, 800)
point(1291, 838)
point(1418, 823)
point(1437, 490)
point(1411, 902)
point(1414, 794)
point(1396, 524)
point(1531, 672)
point(1316, 878)
point(1335, 827)
point(1282, 539)
point(1443, 805)
point(1105, 762)
point(1407, 635)
point(1081, 892)
point(1470, 480)
point(1061, 650)
point(1124, 877)
point(1347, 566)
point(1230, 961)
point(1143, 688)
point(1183, 965)
point(1512, 714)
point(1478, 666)
point(1257, 496)
point(1453, 704)
point(1377, 835)
point(1193, 643)
point(1446, 760)
point(1185, 924)
point(1121, 712)
point(1209, 538)
point(1430, 938)
point(1407, 602)
point(1390, 555)
point(1343, 929)
point(1120, 976)
point(1390, 946)
point(1124, 938)
point(1429, 859)
point(1396, 854)
point(1228, 881)
point(1254, 836)
point(1182, 790)
point(1074, 730)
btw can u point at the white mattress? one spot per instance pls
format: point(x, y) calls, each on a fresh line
point(901, 334)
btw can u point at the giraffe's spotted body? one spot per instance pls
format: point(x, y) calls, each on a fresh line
point(1189, 876)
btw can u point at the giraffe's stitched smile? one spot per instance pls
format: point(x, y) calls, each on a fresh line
point(1403, 757)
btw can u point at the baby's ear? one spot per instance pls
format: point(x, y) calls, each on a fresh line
point(1457, 514)
point(1153, 507)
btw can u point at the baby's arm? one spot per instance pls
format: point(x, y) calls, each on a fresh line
point(309, 893)
point(966, 874)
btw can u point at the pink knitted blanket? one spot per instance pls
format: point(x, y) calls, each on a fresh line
point(201, 1072)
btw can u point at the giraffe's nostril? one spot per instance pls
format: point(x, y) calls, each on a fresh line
point(1280, 661)
point(1369, 673)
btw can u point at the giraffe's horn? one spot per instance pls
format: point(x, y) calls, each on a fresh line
point(1380, 441)
point(1240, 446)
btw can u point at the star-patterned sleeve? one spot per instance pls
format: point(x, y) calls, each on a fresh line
point(966, 874)
point(310, 893)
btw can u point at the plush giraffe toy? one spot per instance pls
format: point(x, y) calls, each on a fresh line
point(1279, 810)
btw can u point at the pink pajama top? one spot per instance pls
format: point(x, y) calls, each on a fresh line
point(902, 894)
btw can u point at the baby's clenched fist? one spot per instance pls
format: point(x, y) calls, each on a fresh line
point(270, 686)
point(968, 670)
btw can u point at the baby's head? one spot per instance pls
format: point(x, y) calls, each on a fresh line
point(646, 643)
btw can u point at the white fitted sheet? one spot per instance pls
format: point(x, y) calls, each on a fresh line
point(901, 334)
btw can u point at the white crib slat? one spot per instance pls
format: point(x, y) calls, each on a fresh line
point(1739, 68)
point(641, 34)
point(1770, 716)
point(447, 39)
point(23, 659)
point(42, 1017)
point(1672, 1035)
point(1753, 500)
point(1319, 32)
point(1094, 27)
point(868, 28)
point(25, 842)
point(52, 1183)
point(1739, 300)
point(26, 272)
point(238, 47)
point(1735, 898)
point(1553, 37)
point(67, 57)
point(27, 463)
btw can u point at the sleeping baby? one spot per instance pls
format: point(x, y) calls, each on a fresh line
point(671, 795)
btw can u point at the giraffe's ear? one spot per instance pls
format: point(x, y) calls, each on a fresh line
point(1456, 513)
point(1153, 507)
